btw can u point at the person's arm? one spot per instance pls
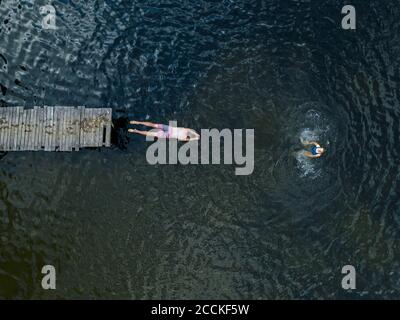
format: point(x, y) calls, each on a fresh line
point(310, 155)
point(144, 133)
point(197, 137)
point(315, 144)
point(183, 136)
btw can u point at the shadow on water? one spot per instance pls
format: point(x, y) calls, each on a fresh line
point(119, 132)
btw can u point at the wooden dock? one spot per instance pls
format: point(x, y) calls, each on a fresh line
point(54, 128)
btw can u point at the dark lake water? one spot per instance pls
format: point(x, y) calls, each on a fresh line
point(116, 227)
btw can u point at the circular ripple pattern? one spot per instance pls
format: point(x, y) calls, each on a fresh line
point(116, 227)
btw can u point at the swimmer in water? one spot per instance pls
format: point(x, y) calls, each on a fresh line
point(166, 132)
point(316, 150)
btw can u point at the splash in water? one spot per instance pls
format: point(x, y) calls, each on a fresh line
point(315, 132)
point(307, 166)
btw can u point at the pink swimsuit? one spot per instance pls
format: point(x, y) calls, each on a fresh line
point(168, 132)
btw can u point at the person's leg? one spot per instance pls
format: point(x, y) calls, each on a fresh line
point(144, 133)
point(145, 123)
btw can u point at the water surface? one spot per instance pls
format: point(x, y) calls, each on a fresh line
point(116, 227)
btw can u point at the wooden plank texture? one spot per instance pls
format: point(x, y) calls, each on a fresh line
point(54, 128)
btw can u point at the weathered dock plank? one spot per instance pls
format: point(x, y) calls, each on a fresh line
point(40, 129)
point(2, 127)
point(26, 144)
point(32, 129)
point(54, 128)
point(65, 130)
point(86, 127)
point(50, 129)
point(11, 136)
point(108, 129)
point(35, 130)
point(5, 130)
point(27, 129)
point(76, 128)
point(7, 116)
point(73, 132)
point(61, 132)
point(19, 121)
point(33, 133)
point(103, 128)
point(16, 127)
point(69, 129)
point(100, 127)
point(66, 120)
point(23, 131)
point(47, 128)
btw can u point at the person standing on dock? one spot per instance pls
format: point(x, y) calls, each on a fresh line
point(166, 131)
